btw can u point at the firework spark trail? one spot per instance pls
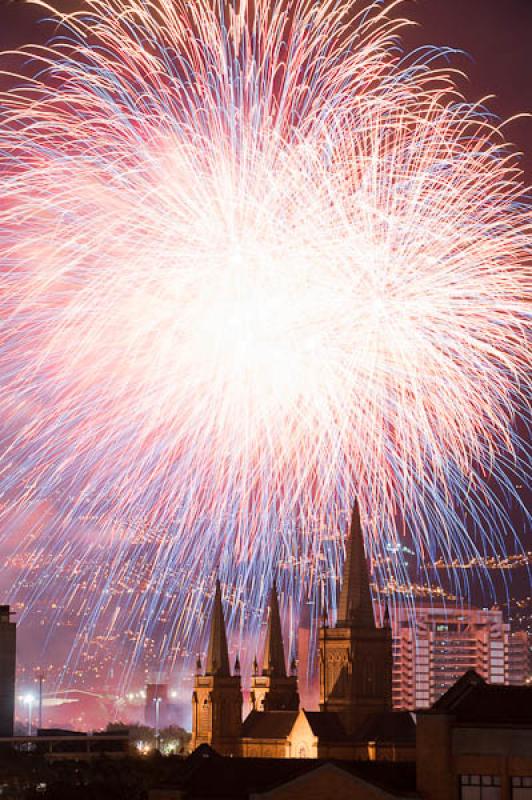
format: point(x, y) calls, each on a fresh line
point(254, 263)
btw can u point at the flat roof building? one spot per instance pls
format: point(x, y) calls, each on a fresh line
point(8, 648)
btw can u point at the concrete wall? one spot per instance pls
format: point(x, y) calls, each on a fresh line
point(445, 751)
point(435, 778)
point(8, 634)
point(492, 741)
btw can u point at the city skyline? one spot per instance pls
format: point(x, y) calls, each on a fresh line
point(229, 313)
point(430, 653)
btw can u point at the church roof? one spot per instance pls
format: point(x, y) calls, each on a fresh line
point(354, 604)
point(217, 654)
point(397, 727)
point(268, 724)
point(326, 725)
point(274, 661)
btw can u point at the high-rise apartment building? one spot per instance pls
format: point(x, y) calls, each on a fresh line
point(8, 647)
point(518, 658)
point(435, 646)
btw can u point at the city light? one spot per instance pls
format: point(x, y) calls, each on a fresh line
point(28, 699)
point(242, 287)
point(264, 432)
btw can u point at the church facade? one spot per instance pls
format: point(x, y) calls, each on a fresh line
point(355, 719)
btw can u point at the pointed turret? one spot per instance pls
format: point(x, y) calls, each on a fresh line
point(217, 696)
point(355, 655)
point(273, 689)
point(274, 661)
point(217, 654)
point(354, 605)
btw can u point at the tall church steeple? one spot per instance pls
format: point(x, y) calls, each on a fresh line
point(273, 690)
point(354, 604)
point(274, 659)
point(355, 655)
point(217, 654)
point(217, 696)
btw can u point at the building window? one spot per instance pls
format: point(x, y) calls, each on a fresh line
point(522, 788)
point(480, 787)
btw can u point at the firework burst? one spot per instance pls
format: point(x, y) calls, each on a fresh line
point(254, 263)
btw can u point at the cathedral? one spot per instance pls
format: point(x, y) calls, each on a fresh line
point(355, 719)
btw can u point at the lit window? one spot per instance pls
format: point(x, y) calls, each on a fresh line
point(480, 787)
point(522, 788)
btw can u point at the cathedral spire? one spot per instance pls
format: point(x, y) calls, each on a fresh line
point(273, 689)
point(217, 654)
point(217, 696)
point(274, 661)
point(354, 605)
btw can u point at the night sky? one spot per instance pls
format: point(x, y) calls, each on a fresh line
point(492, 36)
point(496, 35)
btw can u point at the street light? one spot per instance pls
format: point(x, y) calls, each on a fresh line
point(157, 701)
point(28, 700)
point(41, 679)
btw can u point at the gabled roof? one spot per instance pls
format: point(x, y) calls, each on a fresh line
point(391, 727)
point(205, 775)
point(458, 691)
point(216, 777)
point(394, 779)
point(472, 700)
point(268, 724)
point(326, 725)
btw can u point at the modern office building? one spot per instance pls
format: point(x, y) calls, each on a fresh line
point(434, 647)
point(8, 648)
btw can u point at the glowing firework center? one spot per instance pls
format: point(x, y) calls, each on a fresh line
point(256, 263)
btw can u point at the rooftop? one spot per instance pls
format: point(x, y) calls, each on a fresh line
point(268, 724)
point(472, 700)
point(205, 774)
